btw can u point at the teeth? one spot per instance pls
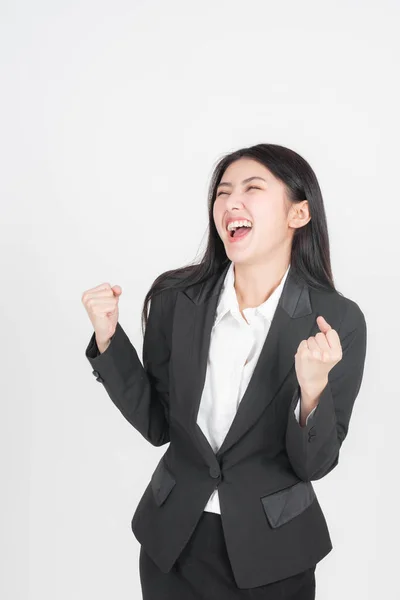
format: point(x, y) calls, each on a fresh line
point(235, 224)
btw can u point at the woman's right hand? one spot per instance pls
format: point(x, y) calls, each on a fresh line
point(101, 304)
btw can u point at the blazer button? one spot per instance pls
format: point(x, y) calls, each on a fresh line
point(214, 472)
point(311, 436)
point(98, 376)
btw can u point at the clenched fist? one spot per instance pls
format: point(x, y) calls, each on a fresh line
point(101, 304)
point(316, 356)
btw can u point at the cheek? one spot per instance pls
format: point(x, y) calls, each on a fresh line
point(268, 223)
point(265, 211)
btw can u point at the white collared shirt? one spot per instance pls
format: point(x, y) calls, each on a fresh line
point(235, 347)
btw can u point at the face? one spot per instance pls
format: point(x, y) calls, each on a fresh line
point(263, 202)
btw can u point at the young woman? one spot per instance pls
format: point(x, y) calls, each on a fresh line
point(252, 361)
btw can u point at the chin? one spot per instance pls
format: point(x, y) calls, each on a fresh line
point(242, 257)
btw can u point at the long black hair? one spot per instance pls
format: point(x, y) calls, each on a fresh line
point(310, 254)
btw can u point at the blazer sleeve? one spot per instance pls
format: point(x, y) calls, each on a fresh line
point(140, 392)
point(297, 411)
point(313, 450)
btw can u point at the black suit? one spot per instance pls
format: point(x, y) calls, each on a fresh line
point(273, 524)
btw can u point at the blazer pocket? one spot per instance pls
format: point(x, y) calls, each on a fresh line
point(162, 482)
point(282, 506)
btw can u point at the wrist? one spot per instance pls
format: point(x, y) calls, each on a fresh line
point(102, 346)
point(310, 394)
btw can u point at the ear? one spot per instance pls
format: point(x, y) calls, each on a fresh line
point(299, 214)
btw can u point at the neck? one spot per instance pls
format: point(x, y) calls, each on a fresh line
point(254, 283)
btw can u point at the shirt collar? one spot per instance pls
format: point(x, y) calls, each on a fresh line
point(228, 301)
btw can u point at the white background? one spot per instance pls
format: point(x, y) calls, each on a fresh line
point(112, 117)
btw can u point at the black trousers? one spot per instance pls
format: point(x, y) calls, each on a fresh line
point(203, 572)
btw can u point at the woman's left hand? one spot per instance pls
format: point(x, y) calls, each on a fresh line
point(316, 356)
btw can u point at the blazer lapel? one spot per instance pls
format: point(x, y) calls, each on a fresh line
point(293, 321)
point(191, 333)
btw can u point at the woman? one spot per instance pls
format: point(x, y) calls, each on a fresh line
point(252, 361)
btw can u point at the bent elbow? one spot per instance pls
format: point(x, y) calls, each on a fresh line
point(316, 470)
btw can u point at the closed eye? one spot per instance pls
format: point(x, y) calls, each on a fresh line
point(249, 188)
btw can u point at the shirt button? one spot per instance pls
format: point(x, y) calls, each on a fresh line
point(214, 472)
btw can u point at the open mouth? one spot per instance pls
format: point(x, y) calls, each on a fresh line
point(239, 233)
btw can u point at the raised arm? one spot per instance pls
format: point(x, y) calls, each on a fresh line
point(313, 450)
point(140, 392)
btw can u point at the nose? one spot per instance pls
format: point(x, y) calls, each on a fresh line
point(234, 201)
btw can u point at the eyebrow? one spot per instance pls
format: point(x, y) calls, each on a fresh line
point(244, 181)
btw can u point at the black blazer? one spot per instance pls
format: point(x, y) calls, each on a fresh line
point(273, 524)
